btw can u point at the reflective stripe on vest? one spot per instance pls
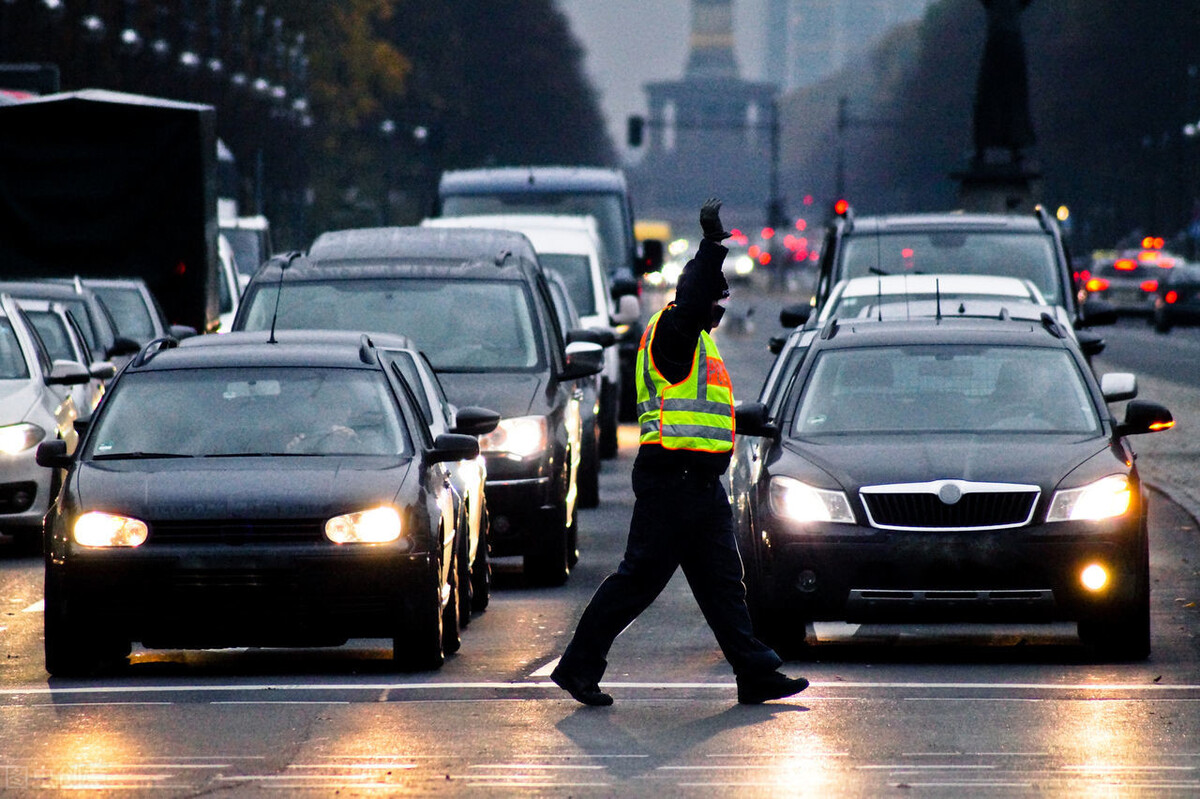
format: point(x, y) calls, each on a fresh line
point(695, 413)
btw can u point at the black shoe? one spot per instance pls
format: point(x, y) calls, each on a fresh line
point(587, 694)
point(754, 690)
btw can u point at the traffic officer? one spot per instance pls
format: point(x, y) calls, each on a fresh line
point(681, 513)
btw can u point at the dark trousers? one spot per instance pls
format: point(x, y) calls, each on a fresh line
point(679, 519)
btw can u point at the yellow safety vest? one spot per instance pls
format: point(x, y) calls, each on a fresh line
point(695, 413)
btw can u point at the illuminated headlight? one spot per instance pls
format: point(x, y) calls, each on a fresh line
point(653, 278)
point(799, 502)
point(1103, 499)
point(671, 272)
point(97, 529)
point(743, 265)
point(517, 438)
point(374, 526)
point(16, 438)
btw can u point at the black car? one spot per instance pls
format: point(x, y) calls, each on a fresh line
point(964, 469)
point(1177, 298)
point(242, 493)
point(476, 302)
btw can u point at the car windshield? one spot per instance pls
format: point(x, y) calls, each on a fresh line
point(52, 330)
point(607, 208)
point(945, 388)
point(576, 272)
point(462, 325)
point(238, 411)
point(129, 310)
point(1022, 255)
point(12, 359)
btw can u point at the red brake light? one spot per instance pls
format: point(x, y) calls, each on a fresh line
point(1125, 265)
point(1171, 297)
point(1150, 286)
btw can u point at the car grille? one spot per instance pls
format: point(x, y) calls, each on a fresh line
point(238, 531)
point(949, 505)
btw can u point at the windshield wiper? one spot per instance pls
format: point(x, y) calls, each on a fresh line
point(138, 455)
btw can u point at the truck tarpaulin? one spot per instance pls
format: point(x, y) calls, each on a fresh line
point(101, 184)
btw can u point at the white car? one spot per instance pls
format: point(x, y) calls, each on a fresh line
point(859, 295)
point(35, 405)
point(64, 340)
point(570, 246)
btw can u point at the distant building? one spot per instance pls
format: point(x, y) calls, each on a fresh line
point(708, 133)
point(810, 39)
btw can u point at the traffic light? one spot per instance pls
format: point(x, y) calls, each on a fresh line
point(636, 131)
point(841, 207)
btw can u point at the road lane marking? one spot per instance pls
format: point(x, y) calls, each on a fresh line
point(544, 671)
point(36, 607)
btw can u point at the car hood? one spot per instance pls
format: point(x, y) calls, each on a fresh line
point(507, 394)
point(16, 398)
point(884, 459)
point(238, 488)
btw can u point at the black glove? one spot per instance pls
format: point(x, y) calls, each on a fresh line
point(710, 220)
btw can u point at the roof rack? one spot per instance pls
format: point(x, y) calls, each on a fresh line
point(1043, 217)
point(830, 330)
point(366, 350)
point(152, 348)
point(1052, 326)
point(504, 255)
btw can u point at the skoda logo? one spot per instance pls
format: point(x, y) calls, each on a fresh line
point(949, 493)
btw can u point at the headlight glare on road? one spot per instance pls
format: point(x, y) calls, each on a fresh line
point(375, 526)
point(16, 438)
point(98, 529)
point(1108, 497)
point(517, 438)
point(800, 502)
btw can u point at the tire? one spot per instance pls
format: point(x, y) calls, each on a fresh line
point(74, 646)
point(588, 480)
point(417, 645)
point(481, 571)
point(451, 627)
point(465, 586)
point(607, 421)
point(547, 559)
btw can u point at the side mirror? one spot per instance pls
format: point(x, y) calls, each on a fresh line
point(68, 373)
point(181, 331)
point(1142, 417)
point(1096, 312)
point(122, 345)
point(1117, 386)
point(623, 285)
point(1090, 344)
point(629, 309)
point(53, 454)
point(584, 359)
point(652, 256)
point(775, 344)
point(453, 447)
point(594, 335)
point(103, 370)
point(474, 421)
point(794, 315)
point(750, 419)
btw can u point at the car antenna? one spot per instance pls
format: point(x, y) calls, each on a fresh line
point(879, 298)
point(287, 261)
point(937, 293)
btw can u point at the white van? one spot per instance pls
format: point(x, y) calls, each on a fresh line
point(570, 246)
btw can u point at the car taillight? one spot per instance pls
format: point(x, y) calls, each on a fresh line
point(1125, 265)
point(1096, 284)
point(1171, 297)
point(1150, 286)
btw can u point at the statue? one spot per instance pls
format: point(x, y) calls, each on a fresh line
point(1002, 93)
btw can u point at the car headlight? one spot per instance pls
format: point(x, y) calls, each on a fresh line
point(517, 438)
point(800, 502)
point(744, 265)
point(374, 526)
point(1103, 499)
point(98, 529)
point(16, 438)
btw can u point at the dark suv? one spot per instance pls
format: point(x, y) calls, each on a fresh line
point(477, 304)
point(1027, 246)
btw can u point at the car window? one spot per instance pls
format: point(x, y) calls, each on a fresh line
point(576, 272)
point(240, 411)
point(13, 365)
point(1028, 256)
point(460, 324)
point(407, 370)
point(52, 329)
point(129, 311)
point(945, 388)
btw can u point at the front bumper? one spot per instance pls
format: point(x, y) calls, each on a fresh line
point(1032, 573)
point(229, 595)
point(24, 491)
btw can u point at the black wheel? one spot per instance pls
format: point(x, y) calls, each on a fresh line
point(481, 571)
point(588, 480)
point(451, 628)
point(547, 553)
point(417, 645)
point(1161, 323)
point(782, 630)
point(607, 420)
point(74, 646)
point(465, 586)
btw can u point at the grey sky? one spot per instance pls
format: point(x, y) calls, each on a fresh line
point(632, 42)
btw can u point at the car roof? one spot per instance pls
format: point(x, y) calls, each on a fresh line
point(321, 348)
point(40, 290)
point(950, 221)
point(900, 285)
point(531, 179)
point(549, 233)
point(853, 333)
point(462, 244)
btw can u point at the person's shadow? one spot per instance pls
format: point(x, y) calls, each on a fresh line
point(634, 741)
